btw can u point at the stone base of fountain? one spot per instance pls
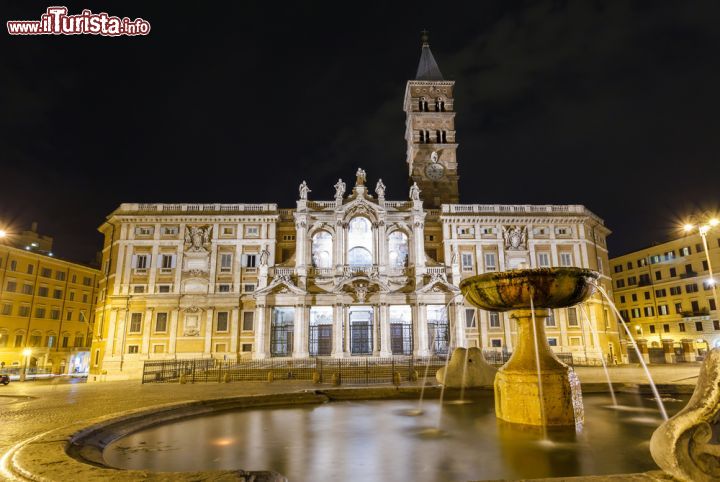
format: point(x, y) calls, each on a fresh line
point(534, 387)
point(517, 399)
point(477, 373)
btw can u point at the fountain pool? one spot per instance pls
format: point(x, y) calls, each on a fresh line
point(372, 440)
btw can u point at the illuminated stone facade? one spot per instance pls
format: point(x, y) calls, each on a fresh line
point(357, 275)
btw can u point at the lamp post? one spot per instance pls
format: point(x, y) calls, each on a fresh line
point(703, 230)
point(26, 355)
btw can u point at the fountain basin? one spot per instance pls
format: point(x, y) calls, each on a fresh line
point(512, 290)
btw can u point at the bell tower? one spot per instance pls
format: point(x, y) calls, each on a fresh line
point(430, 132)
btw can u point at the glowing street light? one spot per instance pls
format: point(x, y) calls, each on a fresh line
point(25, 353)
point(703, 230)
point(3, 233)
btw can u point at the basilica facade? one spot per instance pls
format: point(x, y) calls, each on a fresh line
point(356, 275)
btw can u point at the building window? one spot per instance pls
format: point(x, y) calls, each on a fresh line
point(652, 328)
point(159, 348)
point(250, 260)
point(13, 265)
point(575, 341)
point(222, 321)
point(46, 272)
point(622, 299)
point(572, 316)
point(666, 328)
point(169, 230)
point(39, 312)
point(30, 269)
point(550, 320)
point(133, 349)
point(663, 310)
point(247, 323)
point(678, 308)
point(246, 347)
point(136, 289)
point(224, 288)
point(490, 262)
point(60, 275)
point(360, 249)
point(716, 325)
point(398, 247)
point(141, 261)
point(322, 248)
point(163, 288)
point(658, 276)
point(252, 231)
point(673, 272)
point(681, 327)
point(24, 310)
point(57, 294)
point(43, 291)
point(11, 286)
point(698, 326)
point(470, 318)
point(27, 289)
point(18, 341)
point(161, 322)
point(135, 323)
point(661, 293)
point(467, 261)
point(143, 230)
point(566, 259)
point(675, 290)
point(618, 268)
point(167, 261)
point(7, 309)
point(55, 314)
point(691, 288)
point(494, 319)
point(496, 342)
point(685, 251)
point(632, 280)
point(620, 283)
point(220, 347)
point(35, 340)
point(636, 312)
point(225, 262)
point(228, 230)
point(552, 341)
point(543, 260)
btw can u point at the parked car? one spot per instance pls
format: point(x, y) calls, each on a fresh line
point(4, 379)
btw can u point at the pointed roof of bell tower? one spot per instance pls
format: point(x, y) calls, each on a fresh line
point(427, 68)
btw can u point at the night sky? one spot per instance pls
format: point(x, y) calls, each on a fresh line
point(609, 104)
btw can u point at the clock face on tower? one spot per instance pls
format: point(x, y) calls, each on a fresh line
point(435, 171)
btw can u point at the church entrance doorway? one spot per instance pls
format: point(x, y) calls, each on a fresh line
point(361, 330)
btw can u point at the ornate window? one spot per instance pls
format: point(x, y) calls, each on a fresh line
point(398, 248)
point(360, 242)
point(322, 244)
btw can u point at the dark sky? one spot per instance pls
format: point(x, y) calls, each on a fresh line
point(609, 104)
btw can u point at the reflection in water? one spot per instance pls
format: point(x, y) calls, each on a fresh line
point(360, 441)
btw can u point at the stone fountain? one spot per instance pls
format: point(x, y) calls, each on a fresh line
point(533, 368)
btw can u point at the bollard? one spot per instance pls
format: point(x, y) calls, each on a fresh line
point(316, 377)
point(414, 376)
point(226, 378)
point(270, 376)
point(336, 379)
point(396, 378)
point(183, 379)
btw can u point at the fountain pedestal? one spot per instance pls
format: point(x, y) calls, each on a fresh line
point(517, 392)
point(534, 387)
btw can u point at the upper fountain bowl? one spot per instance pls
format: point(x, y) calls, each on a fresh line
point(512, 290)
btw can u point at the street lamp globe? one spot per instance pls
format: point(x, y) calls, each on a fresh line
point(3, 233)
point(27, 352)
point(688, 227)
point(714, 222)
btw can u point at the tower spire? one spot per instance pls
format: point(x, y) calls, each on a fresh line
point(427, 68)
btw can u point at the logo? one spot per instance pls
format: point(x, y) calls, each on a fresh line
point(56, 21)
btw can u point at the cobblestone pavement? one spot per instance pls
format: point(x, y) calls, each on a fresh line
point(30, 408)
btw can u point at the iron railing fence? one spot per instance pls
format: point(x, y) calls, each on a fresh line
point(355, 370)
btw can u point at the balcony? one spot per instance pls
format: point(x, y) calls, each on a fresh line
point(688, 274)
point(700, 312)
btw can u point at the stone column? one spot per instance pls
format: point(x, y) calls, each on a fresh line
point(337, 346)
point(173, 330)
point(422, 330)
point(146, 332)
point(376, 327)
point(300, 333)
point(460, 340)
point(643, 348)
point(385, 348)
point(668, 350)
point(260, 330)
point(209, 322)
point(688, 350)
point(346, 324)
point(234, 330)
